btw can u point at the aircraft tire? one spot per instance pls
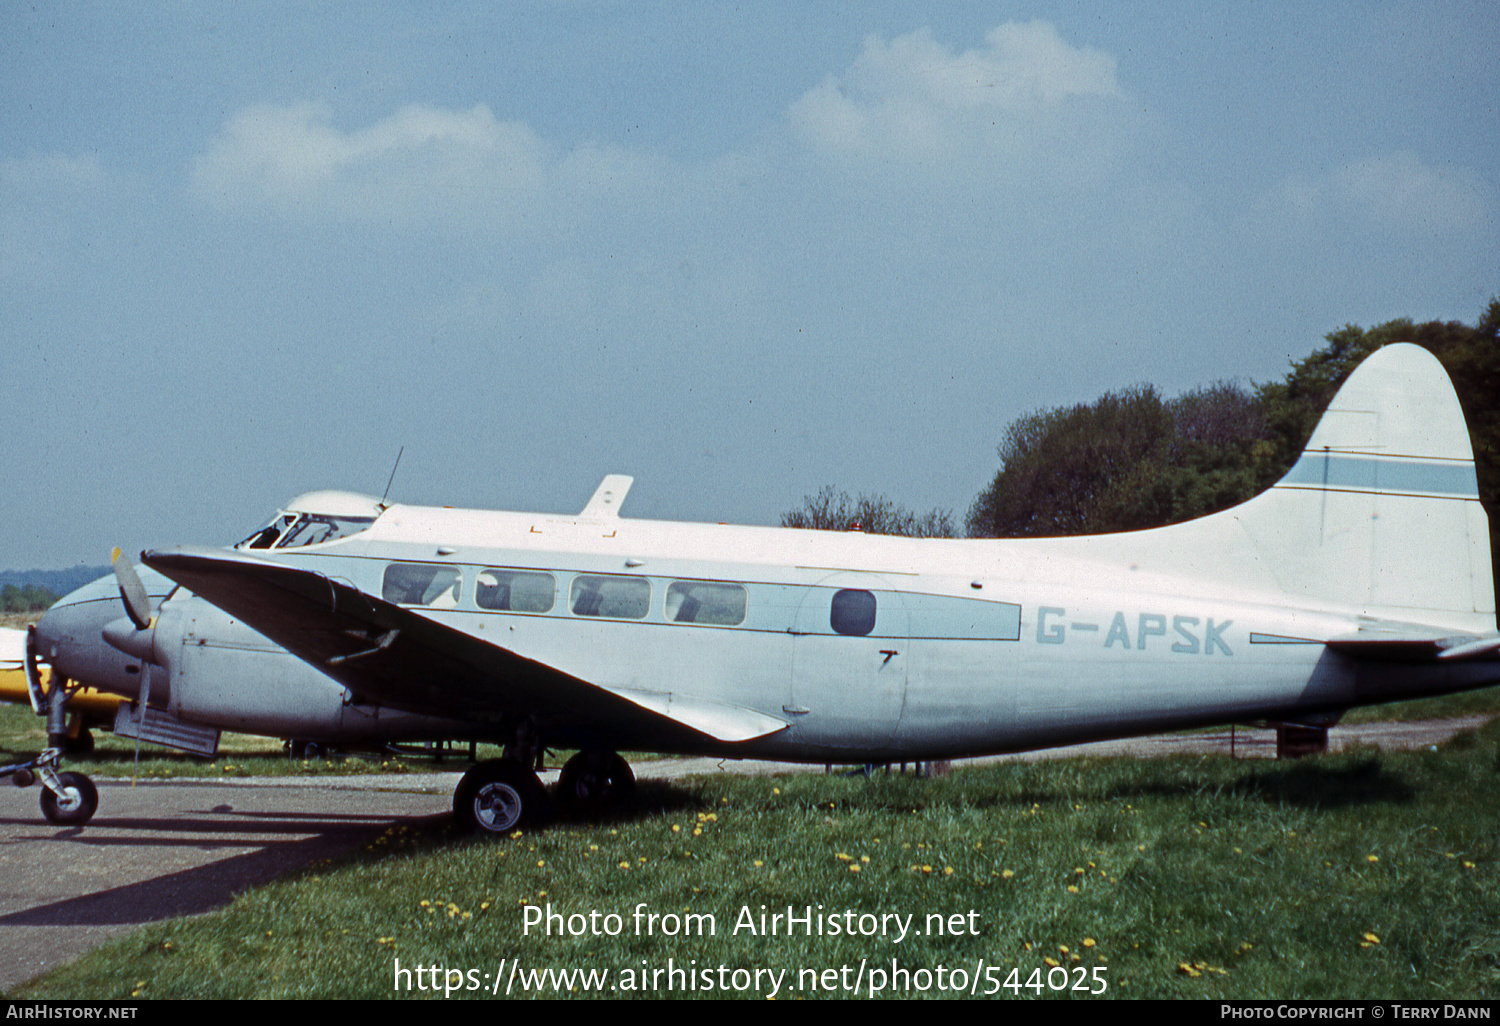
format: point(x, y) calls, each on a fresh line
point(593, 782)
point(498, 797)
point(76, 806)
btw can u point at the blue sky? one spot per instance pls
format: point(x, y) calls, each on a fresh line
point(738, 251)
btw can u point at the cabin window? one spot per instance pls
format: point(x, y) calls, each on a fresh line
point(626, 598)
point(421, 584)
point(853, 611)
point(706, 602)
point(516, 591)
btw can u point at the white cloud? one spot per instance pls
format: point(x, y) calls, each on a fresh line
point(1025, 106)
point(1026, 96)
point(419, 164)
point(1398, 190)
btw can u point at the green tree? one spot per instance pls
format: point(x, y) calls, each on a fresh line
point(832, 510)
point(1132, 460)
point(28, 598)
point(1128, 460)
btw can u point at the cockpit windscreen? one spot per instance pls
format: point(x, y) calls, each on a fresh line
point(294, 530)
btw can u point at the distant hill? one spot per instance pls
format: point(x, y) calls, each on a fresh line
point(60, 582)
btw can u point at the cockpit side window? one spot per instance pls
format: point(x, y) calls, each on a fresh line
point(311, 529)
point(269, 535)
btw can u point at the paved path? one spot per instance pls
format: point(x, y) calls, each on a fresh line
point(163, 850)
point(171, 848)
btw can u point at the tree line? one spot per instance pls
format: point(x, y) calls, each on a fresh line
point(28, 598)
point(1134, 459)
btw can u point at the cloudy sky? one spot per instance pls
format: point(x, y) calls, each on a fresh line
point(738, 251)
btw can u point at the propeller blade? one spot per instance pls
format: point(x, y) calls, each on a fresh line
point(132, 591)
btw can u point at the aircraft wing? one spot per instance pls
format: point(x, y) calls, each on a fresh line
point(390, 655)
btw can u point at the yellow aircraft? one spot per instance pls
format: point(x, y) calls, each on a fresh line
point(87, 707)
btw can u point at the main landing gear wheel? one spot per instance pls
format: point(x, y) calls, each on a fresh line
point(593, 782)
point(497, 797)
point(76, 805)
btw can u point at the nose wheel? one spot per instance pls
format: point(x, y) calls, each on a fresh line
point(68, 799)
point(74, 802)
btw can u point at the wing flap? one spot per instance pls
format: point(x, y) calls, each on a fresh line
point(716, 719)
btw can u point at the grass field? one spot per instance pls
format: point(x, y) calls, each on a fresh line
point(1356, 875)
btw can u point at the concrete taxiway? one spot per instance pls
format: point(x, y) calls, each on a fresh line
point(166, 849)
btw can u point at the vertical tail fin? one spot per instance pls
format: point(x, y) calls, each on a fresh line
point(1381, 513)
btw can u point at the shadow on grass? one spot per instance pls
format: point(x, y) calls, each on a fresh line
point(1315, 785)
point(651, 798)
point(1312, 783)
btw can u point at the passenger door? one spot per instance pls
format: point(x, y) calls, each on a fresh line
point(849, 664)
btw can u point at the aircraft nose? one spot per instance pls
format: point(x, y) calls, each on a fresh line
point(52, 629)
point(70, 638)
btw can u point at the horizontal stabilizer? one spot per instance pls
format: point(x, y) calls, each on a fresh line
point(1413, 645)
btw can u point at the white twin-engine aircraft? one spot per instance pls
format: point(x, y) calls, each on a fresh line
point(1363, 576)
